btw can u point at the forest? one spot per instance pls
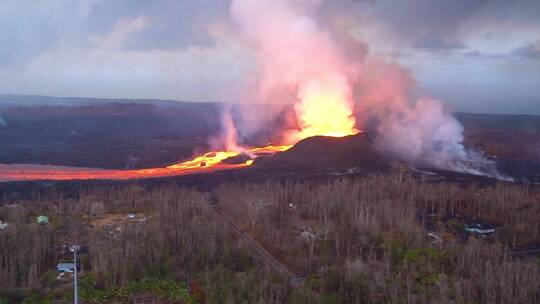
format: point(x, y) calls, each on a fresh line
point(377, 239)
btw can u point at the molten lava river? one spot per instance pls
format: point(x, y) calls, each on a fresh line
point(209, 162)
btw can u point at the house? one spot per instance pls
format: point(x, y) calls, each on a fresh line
point(480, 229)
point(66, 267)
point(42, 220)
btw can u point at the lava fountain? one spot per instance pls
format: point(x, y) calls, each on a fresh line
point(325, 108)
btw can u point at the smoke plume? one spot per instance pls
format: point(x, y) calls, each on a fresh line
point(299, 64)
point(329, 78)
point(228, 138)
point(421, 132)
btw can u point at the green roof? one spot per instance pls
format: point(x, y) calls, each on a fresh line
point(42, 219)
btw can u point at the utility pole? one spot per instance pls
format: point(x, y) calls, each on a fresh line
point(74, 249)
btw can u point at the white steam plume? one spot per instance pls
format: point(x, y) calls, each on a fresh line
point(427, 135)
point(325, 73)
point(422, 133)
point(228, 138)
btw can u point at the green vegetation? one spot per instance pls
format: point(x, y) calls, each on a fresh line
point(161, 289)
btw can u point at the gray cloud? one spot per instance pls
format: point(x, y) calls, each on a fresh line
point(434, 42)
point(417, 16)
point(178, 24)
point(29, 28)
point(529, 51)
point(479, 55)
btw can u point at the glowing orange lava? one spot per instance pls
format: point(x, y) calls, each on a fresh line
point(209, 162)
point(325, 108)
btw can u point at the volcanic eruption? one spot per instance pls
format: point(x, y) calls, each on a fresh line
point(332, 83)
point(334, 87)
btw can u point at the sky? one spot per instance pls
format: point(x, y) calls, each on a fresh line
point(475, 55)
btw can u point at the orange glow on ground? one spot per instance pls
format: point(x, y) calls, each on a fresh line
point(209, 162)
point(210, 159)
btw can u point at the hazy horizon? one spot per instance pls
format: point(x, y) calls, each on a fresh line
point(535, 112)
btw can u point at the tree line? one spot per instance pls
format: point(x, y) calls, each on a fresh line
point(360, 240)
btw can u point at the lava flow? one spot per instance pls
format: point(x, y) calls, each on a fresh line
point(209, 162)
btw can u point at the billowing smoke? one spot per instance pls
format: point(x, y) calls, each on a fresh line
point(427, 135)
point(329, 78)
point(420, 132)
point(299, 64)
